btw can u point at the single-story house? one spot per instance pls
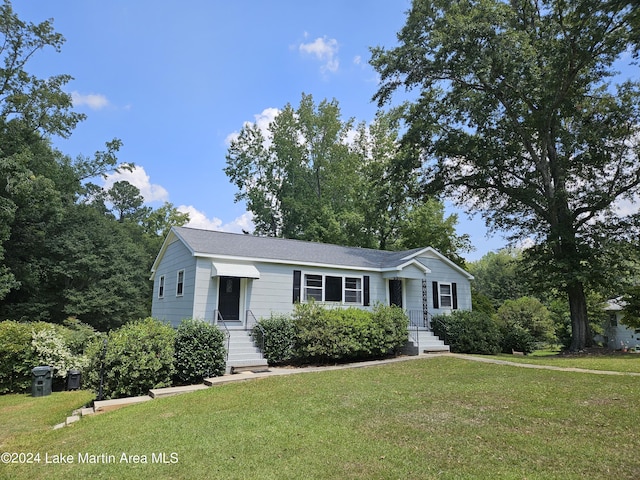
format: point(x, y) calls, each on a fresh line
point(616, 334)
point(233, 279)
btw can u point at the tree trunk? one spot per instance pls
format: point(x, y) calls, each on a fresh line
point(580, 331)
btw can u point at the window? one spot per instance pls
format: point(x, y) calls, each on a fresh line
point(329, 288)
point(445, 295)
point(613, 320)
point(180, 284)
point(313, 287)
point(353, 290)
point(161, 287)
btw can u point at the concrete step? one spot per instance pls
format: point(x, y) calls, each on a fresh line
point(109, 405)
point(170, 391)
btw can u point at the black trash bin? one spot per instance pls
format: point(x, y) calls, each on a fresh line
point(41, 381)
point(73, 379)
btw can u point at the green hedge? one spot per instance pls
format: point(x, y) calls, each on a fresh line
point(199, 352)
point(468, 332)
point(276, 336)
point(315, 334)
point(138, 357)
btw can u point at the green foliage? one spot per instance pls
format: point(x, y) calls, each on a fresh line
point(516, 337)
point(468, 332)
point(139, 357)
point(25, 345)
point(530, 314)
point(276, 336)
point(497, 276)
point(631, 313)
point(323, 335)
point(303, 179)
point(17, 357)
point(51, 349)
point(515, 117)
point(199, 352)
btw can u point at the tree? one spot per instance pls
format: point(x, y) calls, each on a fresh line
point(311, 176)
point(497, 275)
point(516, 119)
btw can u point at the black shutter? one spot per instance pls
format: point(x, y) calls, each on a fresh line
point(454, 295)
point(366, 297)
point(297, 280)
point(436, 300)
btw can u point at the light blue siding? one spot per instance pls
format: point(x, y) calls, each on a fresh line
point(172, 307)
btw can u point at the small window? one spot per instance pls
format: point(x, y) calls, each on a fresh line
point(353, 290)
point(180, 284)
point(333, 289)
point(613, 320)
point(161, 287)
point(445, 295)
point(313, 287)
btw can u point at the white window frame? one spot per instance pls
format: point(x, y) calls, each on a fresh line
point(311, 291)
point(442, 295)
point(161, 287)
point(180, 283)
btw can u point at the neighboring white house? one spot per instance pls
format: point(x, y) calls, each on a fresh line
point(233, 280)
point(616, 334)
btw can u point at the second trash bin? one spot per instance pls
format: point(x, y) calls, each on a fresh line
point(41, 381)
point(73, 380)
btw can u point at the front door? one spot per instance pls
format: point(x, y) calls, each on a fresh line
point(229, 299)
point(395, 292)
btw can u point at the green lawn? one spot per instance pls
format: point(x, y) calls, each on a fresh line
point(430, 418)
point(617, 363)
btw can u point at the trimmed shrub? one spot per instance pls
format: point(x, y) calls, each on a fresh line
point(199, 352)
point(529, 313)
point(276, 336)
point(468, 332)
point(392, 323)
point(323, 335)
point(138, 357)
point(516, 337)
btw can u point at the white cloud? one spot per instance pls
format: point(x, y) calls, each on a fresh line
point(324, 49)
point(94, 101)
point(357, 60)
point(138, 177)
point(198, 219)
point(262, 120)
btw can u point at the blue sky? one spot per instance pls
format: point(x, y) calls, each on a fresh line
point(174, 79)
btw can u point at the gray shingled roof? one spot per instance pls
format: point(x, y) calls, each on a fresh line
point(208, 242)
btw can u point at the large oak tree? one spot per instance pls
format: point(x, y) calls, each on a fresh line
point(516, 116)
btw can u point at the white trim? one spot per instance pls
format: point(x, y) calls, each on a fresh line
point(441, 257)
point(179, 283)
point(323, 276)
point(450, 295)
point(234, 270)
point(161, 286)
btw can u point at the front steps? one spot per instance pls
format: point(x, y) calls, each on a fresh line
point(244, 356)
point(426, 342)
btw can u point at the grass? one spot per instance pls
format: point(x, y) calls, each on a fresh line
point(629, 363)
point(428, 418)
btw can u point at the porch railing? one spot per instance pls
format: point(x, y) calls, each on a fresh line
point(252, 324)
point(219, 321)
point(419, 319)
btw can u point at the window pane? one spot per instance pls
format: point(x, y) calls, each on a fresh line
point(352, 296)
point(353, 290)
point(445, 301)
point(445, 289)
point(333, 289)
point(313, 287)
